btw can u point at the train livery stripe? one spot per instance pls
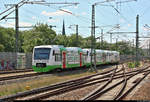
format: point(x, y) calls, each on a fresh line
point(52, 67)
point(73, 65)
point(45, 69)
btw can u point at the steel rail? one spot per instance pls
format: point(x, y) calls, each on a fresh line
point(54, 86)
point(59, 91)
point(70, 88)
point(100, 88)
point(62, 90)
point(27, 75)
point(19, 76)
point(15, 71)
point(95, 96)
point(129, 90)
point(34, 91)
point(123, 86)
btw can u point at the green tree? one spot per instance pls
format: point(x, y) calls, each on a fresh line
point(1, 48)
point(41, 34)
point(61, 40)
point(72, 40)
point(7, 39)
point(86, 42)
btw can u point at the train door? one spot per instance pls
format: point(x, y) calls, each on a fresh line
point(80, 59)
point(63, 59)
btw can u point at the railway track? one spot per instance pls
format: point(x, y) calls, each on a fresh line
point(60, 88)
point(16, 71)
point(56, 86)
point(7, 77)
point(101, 93)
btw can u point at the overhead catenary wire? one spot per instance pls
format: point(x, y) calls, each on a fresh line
point(11, 7)
point(11, 12)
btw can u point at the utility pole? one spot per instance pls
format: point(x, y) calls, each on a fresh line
point(116, 43)
point(149, 48)
point(101, 38)
point(110, 37)
point(137, 39)
point(16, 27)
point(77, 40)
point(100, 44)
point(77, 36)
point(133, 50)
point(17, 33)
point(93, 39)
point(17, 17)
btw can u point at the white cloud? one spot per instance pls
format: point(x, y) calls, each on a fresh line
point(33, 17)
point(25, 24)
point(8, 24)
point(12, 24)
point(57, 13)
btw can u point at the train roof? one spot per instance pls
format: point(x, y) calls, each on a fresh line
point(73, 49)
point(50, 46)
point(99, 50)
point(86, 49)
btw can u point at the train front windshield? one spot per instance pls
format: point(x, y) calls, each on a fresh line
point(41, 53)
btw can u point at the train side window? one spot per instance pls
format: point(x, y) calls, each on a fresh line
point(87, 53)
point(53, 52)
point(58, 57)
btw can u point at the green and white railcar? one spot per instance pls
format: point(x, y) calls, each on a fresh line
point(117, 56)
point(106, 56)
point(111, 56)
point(74, 57)
point(48, 57)
point(99, 58)
point(87, 59)
point(113, 59)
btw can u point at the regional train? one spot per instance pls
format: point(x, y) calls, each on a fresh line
point(50, 57)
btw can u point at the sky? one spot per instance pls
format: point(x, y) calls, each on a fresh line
point(107, 16)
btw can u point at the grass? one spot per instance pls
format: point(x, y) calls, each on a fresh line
point(14, 88)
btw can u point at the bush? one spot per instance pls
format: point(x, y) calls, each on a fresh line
point(137, 64)
point(133, 64)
